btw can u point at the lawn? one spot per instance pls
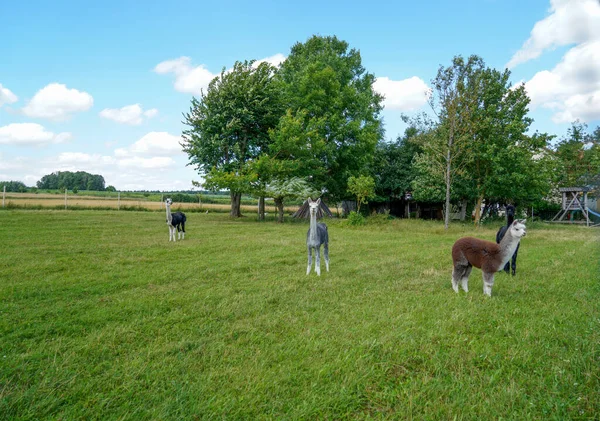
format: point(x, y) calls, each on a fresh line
point(102, 318)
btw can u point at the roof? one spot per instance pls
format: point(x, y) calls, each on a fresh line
point(568, 189)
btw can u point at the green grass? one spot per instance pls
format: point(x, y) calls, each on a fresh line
point(102, 318)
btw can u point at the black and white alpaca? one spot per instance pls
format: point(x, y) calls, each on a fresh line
point(485, 255)
point(175, 222)
point(316, 236)
point(510, 217)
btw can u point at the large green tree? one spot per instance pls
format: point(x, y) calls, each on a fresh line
point(479, 144)
point(229, 127)
point(332, 124)
point(453, 98)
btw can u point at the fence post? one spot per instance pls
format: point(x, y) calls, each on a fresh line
point(65, 199)
point(3, 195)
point(119, 201)
point(162, 200)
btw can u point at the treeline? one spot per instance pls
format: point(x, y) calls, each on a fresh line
point(79, 180)
point(13, 186)
point(313, 123)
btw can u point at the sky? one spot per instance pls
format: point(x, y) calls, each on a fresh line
point(101, 87)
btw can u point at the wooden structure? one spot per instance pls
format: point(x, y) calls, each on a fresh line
point(573, 199)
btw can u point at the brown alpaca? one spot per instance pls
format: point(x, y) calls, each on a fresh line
point(485, 255)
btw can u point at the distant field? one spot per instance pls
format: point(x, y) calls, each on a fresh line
point(102, 318)
point(55, 201)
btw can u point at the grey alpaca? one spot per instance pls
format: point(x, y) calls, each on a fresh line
point(316, 236)
point(510, 217)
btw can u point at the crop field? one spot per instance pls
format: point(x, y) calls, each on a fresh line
point(101, 318)
point(126, 202)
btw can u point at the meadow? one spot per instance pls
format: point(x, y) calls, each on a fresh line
point(102, 318)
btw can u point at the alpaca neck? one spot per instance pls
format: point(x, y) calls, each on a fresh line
point(313, 229)
point(510, 220)
point(169, 216)
point(508, 245)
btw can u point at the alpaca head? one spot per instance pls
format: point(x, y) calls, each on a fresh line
point(510, 211)
point(169, 202)
point(518, 229)
point(314, 206)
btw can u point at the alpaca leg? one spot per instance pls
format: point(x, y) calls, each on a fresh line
point(465, 279)
point(488, 283)
point(455, 278)
point(173, 234)
point(514, 261)
point(318, 260)
point(309, 260)
point(507, 268)
point(183, 230)
point(326, 254)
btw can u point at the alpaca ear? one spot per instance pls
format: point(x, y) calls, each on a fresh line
point(523, 221)
point(319, 201)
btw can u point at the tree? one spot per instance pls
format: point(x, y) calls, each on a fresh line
point(332, 123)
point(13, 186)
point(363, 187)
point(500, 149)
point(479, 143)
point(453, 97)
point(392, 166)
point(280, 190)
point(80, 180)
point(229, 127)
point(579, 156)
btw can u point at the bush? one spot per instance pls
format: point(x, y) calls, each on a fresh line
point(355, 219)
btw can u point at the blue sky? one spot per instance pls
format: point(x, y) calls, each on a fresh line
point(101, 87)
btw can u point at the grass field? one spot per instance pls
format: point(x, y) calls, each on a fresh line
point(102, 318)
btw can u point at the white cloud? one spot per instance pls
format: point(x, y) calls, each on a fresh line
point(30, 134)
point(129, 114)
point(6, 96)
point(404, 95)
point(151, 113)
point(572, 87)
point(274, 60)
point(56, 102)
point(188, 79)
point(193, 80)
point(154, 144)
point(569, 22)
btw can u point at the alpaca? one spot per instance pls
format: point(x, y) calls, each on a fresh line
point(175, 222)
point(510, 217)
point(316, 236)
point(485, 255)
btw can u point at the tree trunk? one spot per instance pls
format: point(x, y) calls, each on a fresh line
point(448, 182)
point(236, 199)
point(463, 209)
point(261, 208)
point(478, 210)
point(279, 205)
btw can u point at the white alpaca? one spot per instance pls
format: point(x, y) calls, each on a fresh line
point(175, 222)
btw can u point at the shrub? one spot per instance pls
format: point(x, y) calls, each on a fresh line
point(355, 219)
